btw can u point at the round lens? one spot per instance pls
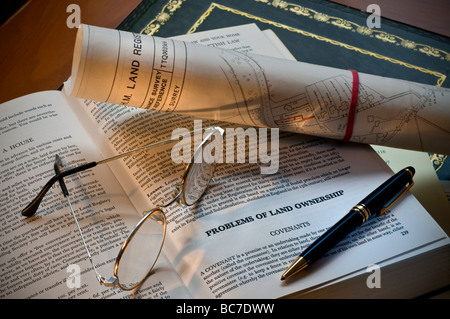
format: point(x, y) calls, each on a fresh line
point(196, 181)
point(199, 173)
point(140, 252)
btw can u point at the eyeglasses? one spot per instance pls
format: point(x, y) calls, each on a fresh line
point(141, 249)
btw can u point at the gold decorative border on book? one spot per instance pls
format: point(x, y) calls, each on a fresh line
point(354, 27)
point(161, 18)
point(440, 76)
point(438, 160)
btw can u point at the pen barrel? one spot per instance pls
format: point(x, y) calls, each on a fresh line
point(384, 195)
point(374, 204)
point(333, 236)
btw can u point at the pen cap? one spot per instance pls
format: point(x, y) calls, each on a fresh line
point(382, 198)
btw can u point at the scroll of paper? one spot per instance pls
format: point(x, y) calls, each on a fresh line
point(211, 83)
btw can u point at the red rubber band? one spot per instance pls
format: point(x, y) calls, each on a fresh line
point(352, 107)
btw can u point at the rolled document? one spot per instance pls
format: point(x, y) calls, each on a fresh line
point(211, 83)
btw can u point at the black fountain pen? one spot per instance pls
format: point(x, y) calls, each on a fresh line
point(377, 203)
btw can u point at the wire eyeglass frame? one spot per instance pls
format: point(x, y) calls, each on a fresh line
point(191, 174)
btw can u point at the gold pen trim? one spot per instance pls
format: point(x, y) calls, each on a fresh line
point(363, 211)
point(299, 264)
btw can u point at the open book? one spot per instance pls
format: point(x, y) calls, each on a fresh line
point(234, 243)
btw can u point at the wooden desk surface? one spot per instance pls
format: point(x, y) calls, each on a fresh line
point(37, 46)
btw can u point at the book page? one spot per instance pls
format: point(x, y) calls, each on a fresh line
point(238, 241)
point(250, 89)
point(427, 188)
point(39, 253)
point(248, 226)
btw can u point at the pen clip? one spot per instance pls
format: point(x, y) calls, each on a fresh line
point(384, 209)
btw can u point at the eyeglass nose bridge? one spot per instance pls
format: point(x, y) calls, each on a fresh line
point(111, 282)
point(176, 197)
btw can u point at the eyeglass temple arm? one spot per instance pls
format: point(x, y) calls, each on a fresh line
point(31, 209)
point(58, 169)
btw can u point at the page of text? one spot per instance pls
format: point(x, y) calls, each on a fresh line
point(38, 254)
